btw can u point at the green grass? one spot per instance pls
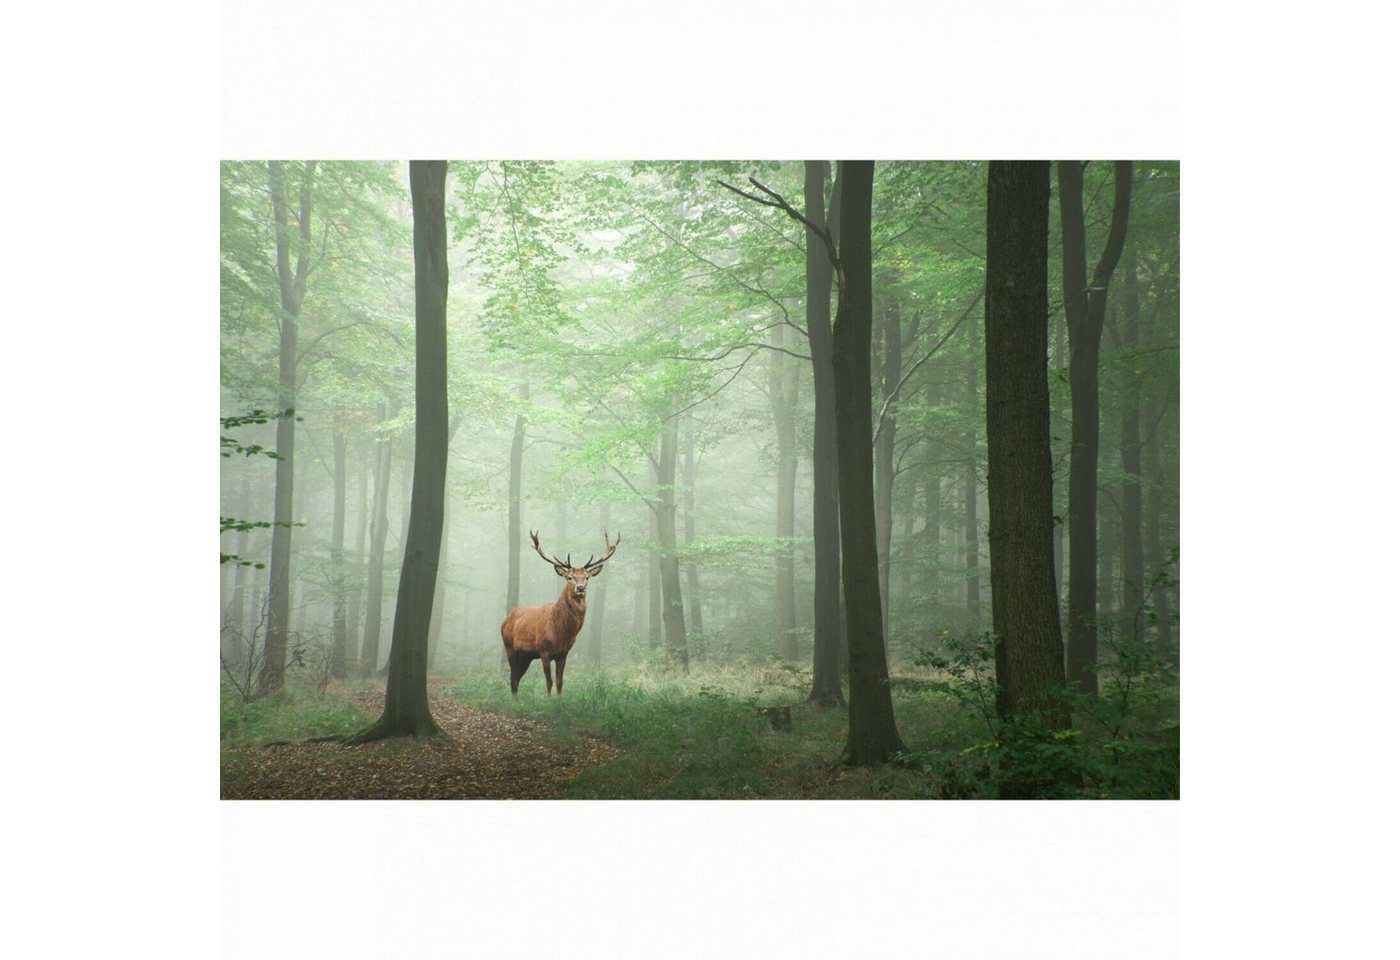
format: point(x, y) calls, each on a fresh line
point(299, 715)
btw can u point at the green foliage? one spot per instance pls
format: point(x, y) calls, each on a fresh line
point(300, 714)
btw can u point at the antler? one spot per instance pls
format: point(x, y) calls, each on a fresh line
point(535, 538)
point(593, 565)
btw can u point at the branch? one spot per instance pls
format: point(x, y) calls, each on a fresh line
point(779, 203)
point(880, 423)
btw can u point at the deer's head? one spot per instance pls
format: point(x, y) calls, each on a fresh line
point(577, 578)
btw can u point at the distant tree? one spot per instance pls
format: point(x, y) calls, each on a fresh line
point(872, 736)
point(1085, 306)
point(378, 534)
point(1025, 609)
point(406, 709)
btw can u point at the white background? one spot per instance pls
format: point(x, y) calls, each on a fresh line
point(117, 115)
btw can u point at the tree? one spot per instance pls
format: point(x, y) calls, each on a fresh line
point(1085, 306)
point(292, 287)
point(872, 736)
point(1025, 608)
point(406, 708)
point(827, 634)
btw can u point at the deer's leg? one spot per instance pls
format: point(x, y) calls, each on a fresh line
point(559, 672)
point(548, 679)
point(519, 663)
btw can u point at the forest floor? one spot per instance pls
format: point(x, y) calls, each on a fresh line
point(483, 755)
point(652, 734)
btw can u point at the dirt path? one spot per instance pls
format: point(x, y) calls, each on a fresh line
point(483, 756)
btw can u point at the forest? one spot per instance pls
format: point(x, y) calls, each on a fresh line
point(844, 479)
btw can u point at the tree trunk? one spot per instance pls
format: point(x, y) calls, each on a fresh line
point(352, 633)
point(236, 632)
point(654, 573)
point(379, 533)
point(513, 538)
point(1059, 433)
point(440, 592)
point(672, 599)
point(933, 520)
point(872, 736)
point(1130, 450)
point(292, 288)
point(782, 391)
point(891, 363)
point(1020, 515)
point(1084, 313)
point(692, 571)
point(828, 635)
point(1156, 505)
point(338, 611)
point(970, 530)
point(406, 710)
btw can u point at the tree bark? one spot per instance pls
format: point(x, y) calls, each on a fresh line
point(292, 289)
point(891, 364)
point(872, 736)
point(236, 632)
point(654, 569)
point(352, 633)
point(1085, 304)
point(513, 538)
point(406, 710)
point(828, 621)
point(1025, 609)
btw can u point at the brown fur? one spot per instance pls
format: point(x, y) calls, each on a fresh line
point(546, 633)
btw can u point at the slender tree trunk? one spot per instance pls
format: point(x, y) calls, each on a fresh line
point(1131, 454)
point(1025, 610)
point(672, 599)
point(1085, 304)
point(828, 620)
point(513, 536)
point(406, 710)
point(595, 635)
point(970, 528)
point(1059, 430)
point(872, 736)
point(237, 630)
point(692, 571)
point(352, 633)
point(639, 598)
point(654, 572)
point(890, 367)
point(338, 611)
point(781, 392)
point(379, 533)
point(1156, 506)
point(933, 519)
point(292, 287)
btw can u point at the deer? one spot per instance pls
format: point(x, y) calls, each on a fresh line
point(547, 632)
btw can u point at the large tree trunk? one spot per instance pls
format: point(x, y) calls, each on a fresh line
point(1085, 304)
point(828, 635)
point(971, 532)
point(1020, 515)
point(782, 393)
point(379, 533)
point(406, 710)
point(292, 287)
point(338, 611)
point(1020, 510)
point(872, 736)
point(672, 600)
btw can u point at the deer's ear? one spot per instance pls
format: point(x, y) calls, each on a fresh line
point(562, 570)
point(596, 570)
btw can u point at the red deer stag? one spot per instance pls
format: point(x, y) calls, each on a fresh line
point(548, 632)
